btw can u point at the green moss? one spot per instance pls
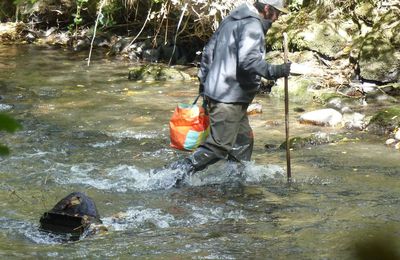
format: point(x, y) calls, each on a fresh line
point(312, 140)
point(298, 89)
point(325, 97)
point(385, 120)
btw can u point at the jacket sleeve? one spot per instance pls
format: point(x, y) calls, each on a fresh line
point(206, 59)
point(251, 45)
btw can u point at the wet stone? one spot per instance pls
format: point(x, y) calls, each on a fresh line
point(397, 134)
point(71, 216)
point(322, 117)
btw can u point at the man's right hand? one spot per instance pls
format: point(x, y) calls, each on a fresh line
point(282, 70)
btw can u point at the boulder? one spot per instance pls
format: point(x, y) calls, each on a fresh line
point(71, 216)
point(322, 117)
point(300, 89)
point(379, 58)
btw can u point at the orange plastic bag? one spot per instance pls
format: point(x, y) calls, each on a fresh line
point(189, 126)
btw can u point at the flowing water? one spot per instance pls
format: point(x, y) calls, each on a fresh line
point(89, 129)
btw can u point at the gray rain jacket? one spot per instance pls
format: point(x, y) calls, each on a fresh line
point(234, 58)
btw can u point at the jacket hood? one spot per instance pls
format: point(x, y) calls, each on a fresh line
point(245, 11)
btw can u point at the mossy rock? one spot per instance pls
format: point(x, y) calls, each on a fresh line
point(299, 89)
point(365, 11)
point(322, 38)
point(385, 121)
point(329, 37)
point(11, 32)
point(312, 140)
point(379, 58)
point(157, 72)
point(293, 24)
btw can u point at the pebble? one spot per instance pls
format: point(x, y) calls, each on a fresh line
point(397, 134)
point(390, 141)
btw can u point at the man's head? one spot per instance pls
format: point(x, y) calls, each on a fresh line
point(270, 9)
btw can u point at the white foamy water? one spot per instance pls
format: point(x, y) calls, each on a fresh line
point(30, 231)
point(134, 135)
point(138, 217)
point(204, 215)
point(223, 172)
point(105, 144)
point(123, 178)
point(258, 173)
point(159, 153)
point(5, 107)
point(120, 178)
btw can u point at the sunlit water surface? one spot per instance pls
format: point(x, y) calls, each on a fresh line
point(89, 129)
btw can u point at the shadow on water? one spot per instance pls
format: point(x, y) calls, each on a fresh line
point(92, 130)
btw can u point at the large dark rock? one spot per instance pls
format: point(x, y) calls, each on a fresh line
point(71, 216)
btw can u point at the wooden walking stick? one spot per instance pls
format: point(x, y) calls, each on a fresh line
point(289, 170)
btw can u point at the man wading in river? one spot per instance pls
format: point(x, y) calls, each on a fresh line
point(231, 68)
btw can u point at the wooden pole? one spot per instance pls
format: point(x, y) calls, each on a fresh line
point(288, 166)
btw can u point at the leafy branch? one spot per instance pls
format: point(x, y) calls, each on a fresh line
point(7, 124)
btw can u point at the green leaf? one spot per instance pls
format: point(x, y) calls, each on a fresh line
point(8, 124)
point(4, 150)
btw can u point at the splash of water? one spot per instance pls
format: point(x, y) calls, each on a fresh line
point(123, 178)
point(30, 231)
point(138, 217)
point(129, 134)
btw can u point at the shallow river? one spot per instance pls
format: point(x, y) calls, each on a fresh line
point(89, 129)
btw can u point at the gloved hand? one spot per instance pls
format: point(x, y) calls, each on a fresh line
point(282, 70)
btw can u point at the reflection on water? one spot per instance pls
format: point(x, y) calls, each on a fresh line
point(90, 129)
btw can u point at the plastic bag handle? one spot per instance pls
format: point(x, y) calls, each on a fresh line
point(197, 98)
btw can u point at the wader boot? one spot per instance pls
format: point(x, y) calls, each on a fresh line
point(242, 151)
point(197, 161)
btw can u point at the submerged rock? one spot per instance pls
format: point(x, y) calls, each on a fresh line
point(157, 72)
point(312, 140)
